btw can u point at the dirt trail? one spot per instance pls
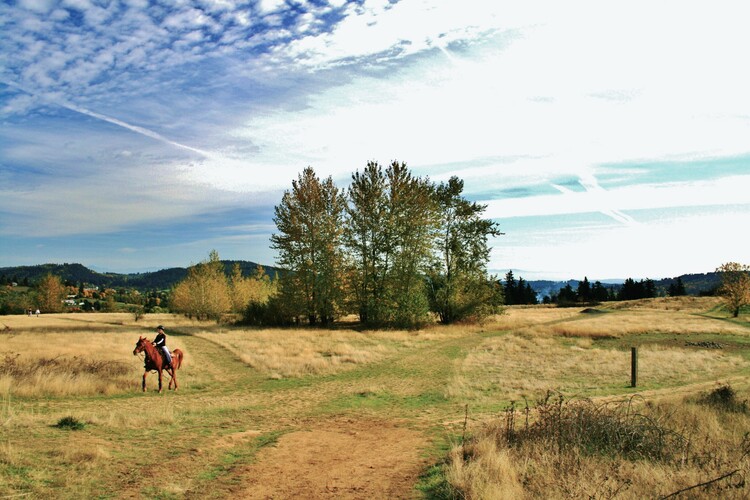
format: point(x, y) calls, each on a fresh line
point(345, 458)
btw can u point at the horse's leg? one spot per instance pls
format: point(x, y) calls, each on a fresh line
point(143, 385)
point(173, 372)
point(159, 371)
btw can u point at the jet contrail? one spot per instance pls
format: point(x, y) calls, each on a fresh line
point(134, 128)
point(591, 186)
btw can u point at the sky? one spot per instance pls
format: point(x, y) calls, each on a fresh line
point(607, 139)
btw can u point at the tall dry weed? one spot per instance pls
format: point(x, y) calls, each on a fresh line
point(578, 449)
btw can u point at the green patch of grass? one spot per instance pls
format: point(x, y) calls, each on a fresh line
point(70, 423)
point(268, 439)
point(434, 485)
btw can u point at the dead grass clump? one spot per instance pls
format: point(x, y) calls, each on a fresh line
point(580, 448)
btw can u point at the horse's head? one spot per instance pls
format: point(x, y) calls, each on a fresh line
point(140, 345)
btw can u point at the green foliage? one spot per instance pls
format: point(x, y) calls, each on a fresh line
point(70, 423)
point(735, 286)
point(309, 223)
point(457, 284)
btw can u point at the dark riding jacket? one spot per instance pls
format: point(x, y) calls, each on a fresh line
point(160, 340)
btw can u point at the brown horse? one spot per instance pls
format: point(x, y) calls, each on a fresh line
point(155, 362)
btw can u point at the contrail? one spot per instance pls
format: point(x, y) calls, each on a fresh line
point(591, 186)
point(134, 128)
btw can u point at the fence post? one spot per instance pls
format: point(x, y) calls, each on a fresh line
point(633, 366)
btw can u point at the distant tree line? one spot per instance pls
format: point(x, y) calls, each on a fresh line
point(587, 292)
point(393, 248)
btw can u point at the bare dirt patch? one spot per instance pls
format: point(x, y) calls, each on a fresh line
point(340, 459)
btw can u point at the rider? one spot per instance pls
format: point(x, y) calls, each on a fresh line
point(161, 342)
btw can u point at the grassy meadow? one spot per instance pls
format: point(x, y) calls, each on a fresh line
point(496, 410)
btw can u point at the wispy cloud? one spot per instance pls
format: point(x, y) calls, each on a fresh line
point(108, 107)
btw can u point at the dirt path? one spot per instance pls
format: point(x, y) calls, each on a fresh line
point(345, 458)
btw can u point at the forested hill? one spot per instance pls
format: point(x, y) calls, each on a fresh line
point(80, 274)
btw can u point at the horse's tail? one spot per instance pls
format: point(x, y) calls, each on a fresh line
point(177, 361)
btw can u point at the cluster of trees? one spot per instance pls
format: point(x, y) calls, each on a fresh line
point(518, 291)
point(586, 292)
point(393, 249)
point(208, 293)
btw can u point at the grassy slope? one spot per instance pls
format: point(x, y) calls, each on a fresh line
point(196, 442)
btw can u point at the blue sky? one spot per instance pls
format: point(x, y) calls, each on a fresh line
point(608, 140)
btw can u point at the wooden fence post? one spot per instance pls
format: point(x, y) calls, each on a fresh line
point(633, 366)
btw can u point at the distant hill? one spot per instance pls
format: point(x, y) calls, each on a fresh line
point(157, 280)
point(695, 284)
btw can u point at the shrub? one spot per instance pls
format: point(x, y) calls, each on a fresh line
point(70, 423)
point(724, 398)
point(613, 429)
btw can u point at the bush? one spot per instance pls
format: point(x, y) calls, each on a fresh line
point(724, 398)
point(606, 429)
point(70, 423)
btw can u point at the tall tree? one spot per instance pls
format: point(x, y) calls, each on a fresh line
point(390, 221)
point(366, 240)
point(584, 290)
point(411, 223)
point(50, 293)
point(459, 284)
point(735, 286)
point(309, 223)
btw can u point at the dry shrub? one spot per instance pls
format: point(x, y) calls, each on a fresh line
point(579, 449)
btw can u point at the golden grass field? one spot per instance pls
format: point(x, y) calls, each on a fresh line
point(343, 413)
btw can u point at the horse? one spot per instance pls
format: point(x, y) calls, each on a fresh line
point(155, 362)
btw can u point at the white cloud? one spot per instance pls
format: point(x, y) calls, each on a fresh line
point(267, 6)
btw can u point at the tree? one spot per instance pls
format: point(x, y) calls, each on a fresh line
point(246, 289)
point(366, 240)
point(510, 288)
point(459, 285)
point(584, 290)
point(50, 294)
point(389, 231)
point(735, 286)
point(677, 288)
point(309, 221)
point(599, 292)
point(204, 293)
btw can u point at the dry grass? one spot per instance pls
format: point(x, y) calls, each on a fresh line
point(519, 366)
point(640, 321)
point(685, 444)
point(281, 353)
point(418, 377)
point(70, 355)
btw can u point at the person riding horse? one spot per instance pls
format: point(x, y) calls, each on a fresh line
point(161, 342)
